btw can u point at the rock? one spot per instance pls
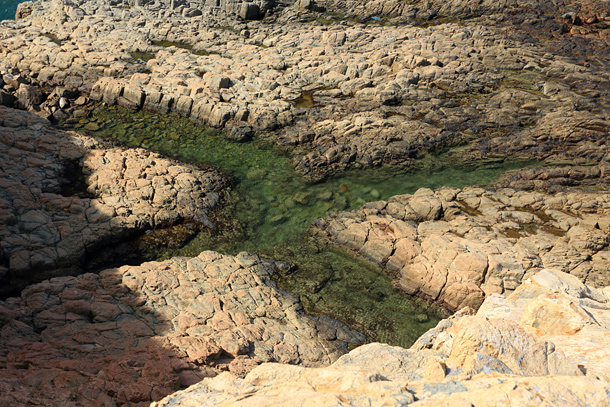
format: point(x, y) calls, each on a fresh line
point(48, 229)
point(136, 334)
point(308, 5)
point(24, 10)
point(488, 359)
point(63, 103)
point(347, 95)
point(249, 11)
point(29, 96)
point(80, 101)
point(91, 126)
point(489, 241)
point(191, 12)
point(14, 81)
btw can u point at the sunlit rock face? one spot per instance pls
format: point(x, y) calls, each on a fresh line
point(136, 334)
point(65, 195)
point(548, 341)
point(457, 246)
point(509, 77)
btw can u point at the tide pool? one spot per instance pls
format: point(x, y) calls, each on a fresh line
point(269, 208)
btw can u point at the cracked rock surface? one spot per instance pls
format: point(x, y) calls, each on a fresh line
point(457, 246)
point(138, 333)
point(523, 78)
point(544, 344)
point(63, 196)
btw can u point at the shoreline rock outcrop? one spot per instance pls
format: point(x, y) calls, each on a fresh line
point(135, 334)
point(458, 246)
point(63, 196)
point(350, 94)
point(544, 344)
point(347, 84)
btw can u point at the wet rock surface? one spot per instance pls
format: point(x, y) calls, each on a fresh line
point(137, 333)
point(63, 196)
point(457, 246)
point(508, 354)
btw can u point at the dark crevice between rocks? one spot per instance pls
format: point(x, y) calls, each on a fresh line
point(142, 245)
point(72, 180)
point(7, 290)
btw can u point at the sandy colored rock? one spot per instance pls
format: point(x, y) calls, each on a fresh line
point(479, 242)
point(359, 85)
point(492, 359)
point(136, 334)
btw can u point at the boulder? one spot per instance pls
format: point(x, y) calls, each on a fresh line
point(29, 96)
point(249, 11)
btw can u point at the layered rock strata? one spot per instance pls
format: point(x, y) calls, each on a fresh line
point(132, 335)
point(545, 344)
point(63, 196)
point(457, 246)
point(351, 94)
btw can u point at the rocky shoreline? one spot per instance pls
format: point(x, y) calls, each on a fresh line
point(65, 196)
point(136, 334)
point(458, 247)
point(350, 94)
point(502, 356)
point(344, 84)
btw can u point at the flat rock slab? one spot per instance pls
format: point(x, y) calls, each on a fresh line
point(136, 334)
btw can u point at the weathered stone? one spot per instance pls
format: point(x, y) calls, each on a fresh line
point(489, 359)
point(29, 96)
point(249, 11)
point(136, 334)
point(489, 241)
point(41, 238)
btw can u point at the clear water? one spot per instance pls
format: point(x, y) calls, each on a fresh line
point(270, 209)
point(8, 9)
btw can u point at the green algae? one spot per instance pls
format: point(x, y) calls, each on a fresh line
point(269, 208)
point(188, 47)
point(144, 56)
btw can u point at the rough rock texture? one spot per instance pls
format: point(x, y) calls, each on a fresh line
point(458, 246)
point(135, 334)
point(63, 196)
point(502, 356)
point(524, 79)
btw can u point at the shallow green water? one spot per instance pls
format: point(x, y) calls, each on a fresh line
point(270, 208)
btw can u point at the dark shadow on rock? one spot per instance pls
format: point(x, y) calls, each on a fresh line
point(130, 335)
point(135, 334)
point(64, 197)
